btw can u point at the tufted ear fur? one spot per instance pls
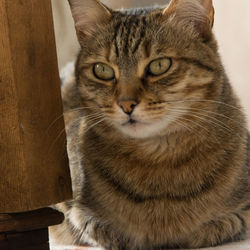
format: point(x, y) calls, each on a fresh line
point(199, 13)
point(88, 14)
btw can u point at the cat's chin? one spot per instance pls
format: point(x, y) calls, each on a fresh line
point(140, 130)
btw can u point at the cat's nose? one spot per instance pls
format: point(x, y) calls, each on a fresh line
point(128, 105)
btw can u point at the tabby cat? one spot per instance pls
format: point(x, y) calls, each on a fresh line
point(158, 144)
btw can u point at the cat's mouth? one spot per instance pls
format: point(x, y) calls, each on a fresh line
point(136, 128)
point(130, 122)
point(134, 125)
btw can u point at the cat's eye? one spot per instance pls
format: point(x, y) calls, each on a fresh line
point(159, 66)
point(103, 72)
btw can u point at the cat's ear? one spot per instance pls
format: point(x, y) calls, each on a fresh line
point(199, 13)
point(88, 15)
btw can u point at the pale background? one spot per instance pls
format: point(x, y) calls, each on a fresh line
point(232, 28)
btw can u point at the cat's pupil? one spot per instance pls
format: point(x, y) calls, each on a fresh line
point(159, 66)
point(103, 72)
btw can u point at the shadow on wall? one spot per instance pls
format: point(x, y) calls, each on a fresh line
point(232, 29)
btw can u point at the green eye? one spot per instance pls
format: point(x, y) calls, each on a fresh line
point(103, 72)
point(159, 66)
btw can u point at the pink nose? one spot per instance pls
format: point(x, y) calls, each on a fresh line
point(128, 106)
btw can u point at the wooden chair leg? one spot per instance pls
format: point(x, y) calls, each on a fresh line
point(27, 231)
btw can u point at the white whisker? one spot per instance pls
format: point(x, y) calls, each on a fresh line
point(213, 120)
point(204, 100)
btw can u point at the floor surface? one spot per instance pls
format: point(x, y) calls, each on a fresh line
point(244, 245)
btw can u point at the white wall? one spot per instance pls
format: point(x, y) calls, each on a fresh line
point(232, 28)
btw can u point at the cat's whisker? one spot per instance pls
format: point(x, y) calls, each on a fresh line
point(193, 122)
point(62, 131)
point(203, 128)
point(185, 126)
point(93, 118)
point(196, 123)
point(203, 100)
point(65, 112)
point(204, 120)
point(196, 113)
point(93, 125)
point(50, 126)
point(89, 117)
point(204, 117)
point(221, 123)
point(81, 109)
point(56, 139)
point(215, 113)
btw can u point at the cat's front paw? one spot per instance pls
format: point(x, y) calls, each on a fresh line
point(217, 232)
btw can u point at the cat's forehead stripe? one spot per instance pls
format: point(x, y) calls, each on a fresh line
point(142, 34)
point(117, 27)
point(129, 33)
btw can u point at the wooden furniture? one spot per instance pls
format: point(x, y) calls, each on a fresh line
point(33, 159)
point(27, 231)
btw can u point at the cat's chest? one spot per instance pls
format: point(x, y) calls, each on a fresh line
point(142, 175)
point(128, 174)
point(146, 195)
point(141, 215)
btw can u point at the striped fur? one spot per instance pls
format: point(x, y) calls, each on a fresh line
point(179, 178)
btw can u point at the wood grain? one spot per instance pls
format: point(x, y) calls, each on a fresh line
point(33, 220)
point(31, 240)
point(29, 230)
point(33, 160)
point(27, 240)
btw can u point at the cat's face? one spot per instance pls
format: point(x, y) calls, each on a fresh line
point(140, 71)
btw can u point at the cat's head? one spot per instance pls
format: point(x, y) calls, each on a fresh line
point(145, 71)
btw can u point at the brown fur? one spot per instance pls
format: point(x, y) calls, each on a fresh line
point(183, 180)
